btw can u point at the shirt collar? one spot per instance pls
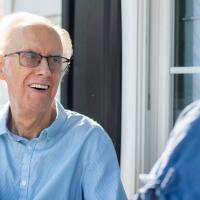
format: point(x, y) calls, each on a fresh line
point(51, 130)
point(58, 123)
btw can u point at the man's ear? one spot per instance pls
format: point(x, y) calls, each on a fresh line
point(2, 75)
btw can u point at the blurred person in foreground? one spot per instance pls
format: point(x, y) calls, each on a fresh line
point(175, 176)
point(47, 152)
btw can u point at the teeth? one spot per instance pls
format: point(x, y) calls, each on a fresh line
point(45, 87)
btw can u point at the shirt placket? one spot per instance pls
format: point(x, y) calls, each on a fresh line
point(25, 170)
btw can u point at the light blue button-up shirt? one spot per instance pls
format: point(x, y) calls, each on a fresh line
point(73, 159)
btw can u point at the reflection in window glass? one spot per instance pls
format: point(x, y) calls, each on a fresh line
point(187, 52)
point(187, 33)
point(186, 90)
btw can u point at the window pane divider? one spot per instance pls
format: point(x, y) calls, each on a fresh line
point(185, 70)
point(191, 18)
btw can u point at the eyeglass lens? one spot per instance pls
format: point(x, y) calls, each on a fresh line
point(33, 59)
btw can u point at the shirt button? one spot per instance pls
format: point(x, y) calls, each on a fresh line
point(23, 183)
point(29, 147)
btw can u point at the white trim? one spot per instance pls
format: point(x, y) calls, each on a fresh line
point(3, 92)
point(129, 82)
point(134, 90)
point(160, 62)
point(8, 6)
point(185, 70)
point(142, 87)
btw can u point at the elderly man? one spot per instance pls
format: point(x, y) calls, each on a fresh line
point(47, 152)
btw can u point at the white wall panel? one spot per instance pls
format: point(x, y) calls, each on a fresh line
point(44, 7)
point(3, 92)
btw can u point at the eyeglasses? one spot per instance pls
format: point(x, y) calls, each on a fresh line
point(32, 59)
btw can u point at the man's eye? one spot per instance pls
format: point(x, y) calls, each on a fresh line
point(31, 55)
point(56, 59)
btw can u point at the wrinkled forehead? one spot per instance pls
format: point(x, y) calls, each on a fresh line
point(35, 36)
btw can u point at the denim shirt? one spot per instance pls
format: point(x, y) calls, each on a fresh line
point(176, 175)
point(73, 159)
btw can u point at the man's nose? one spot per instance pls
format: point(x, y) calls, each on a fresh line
point(43, 67)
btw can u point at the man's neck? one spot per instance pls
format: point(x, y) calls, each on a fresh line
point(30, 124)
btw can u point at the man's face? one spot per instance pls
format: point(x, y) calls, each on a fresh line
point(23, 81)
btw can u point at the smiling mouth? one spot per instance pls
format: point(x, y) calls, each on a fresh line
point(39, 86)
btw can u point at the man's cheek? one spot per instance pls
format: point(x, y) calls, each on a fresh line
point(7, 71)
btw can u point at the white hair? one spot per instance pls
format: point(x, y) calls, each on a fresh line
point(13, 21)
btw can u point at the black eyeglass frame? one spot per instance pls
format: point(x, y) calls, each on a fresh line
point(66, 60)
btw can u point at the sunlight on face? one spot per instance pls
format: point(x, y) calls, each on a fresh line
point(32, 88)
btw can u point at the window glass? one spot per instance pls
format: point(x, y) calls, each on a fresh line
point(187, 53)
point(187, 33)
point(186, 90)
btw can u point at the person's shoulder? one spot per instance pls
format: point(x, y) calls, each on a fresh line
point(84, 123)
point(74, 117)
point(81, 119)
point(187, 123)
point(191, 109)
point(88, 131)
point(189, 115)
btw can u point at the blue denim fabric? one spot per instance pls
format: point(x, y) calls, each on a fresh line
point(176, 175)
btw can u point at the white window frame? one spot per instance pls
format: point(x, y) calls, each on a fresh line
point(147, 31)
point(161, 59)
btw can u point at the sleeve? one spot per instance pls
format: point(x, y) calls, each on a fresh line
point(101, 179)
point(175, 172)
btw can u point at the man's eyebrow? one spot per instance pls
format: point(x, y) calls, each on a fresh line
point(38, 52)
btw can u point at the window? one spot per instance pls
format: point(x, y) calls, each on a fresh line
point(186, 67)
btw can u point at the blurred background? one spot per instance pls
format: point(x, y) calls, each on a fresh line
point(135, 66)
